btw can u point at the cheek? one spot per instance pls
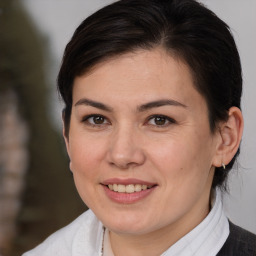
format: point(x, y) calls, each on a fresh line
point(186, 158)
point(85, 163)
point(85, 156)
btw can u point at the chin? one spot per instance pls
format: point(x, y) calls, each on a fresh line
point(127, 225)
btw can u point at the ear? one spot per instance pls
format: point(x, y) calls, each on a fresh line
point(229, 134)
point(66, 139)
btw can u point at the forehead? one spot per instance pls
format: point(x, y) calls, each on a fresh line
point(142, 72)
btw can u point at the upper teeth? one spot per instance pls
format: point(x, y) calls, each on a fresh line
point(131, 188)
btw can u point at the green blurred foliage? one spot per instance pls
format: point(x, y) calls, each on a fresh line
point(50, 200)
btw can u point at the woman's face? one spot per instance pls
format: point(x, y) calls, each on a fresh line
point(138, 126)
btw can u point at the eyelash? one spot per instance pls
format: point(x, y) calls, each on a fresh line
point(167, 119)
point(86, 120)
point(106, 122)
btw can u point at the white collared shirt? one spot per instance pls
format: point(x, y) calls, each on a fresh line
point(84, 237)
point(205, 239)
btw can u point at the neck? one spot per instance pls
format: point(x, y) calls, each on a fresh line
point(157, 242)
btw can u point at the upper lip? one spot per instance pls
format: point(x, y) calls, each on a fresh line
point(126, 182)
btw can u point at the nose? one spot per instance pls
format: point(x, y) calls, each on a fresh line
point(125, 150)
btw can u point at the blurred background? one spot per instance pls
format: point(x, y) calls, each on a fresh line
point(37, 195)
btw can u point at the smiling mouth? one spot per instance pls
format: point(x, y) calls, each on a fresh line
point(131, 188)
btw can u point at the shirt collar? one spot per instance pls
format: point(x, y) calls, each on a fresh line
point(205, 239)
point(208, 237)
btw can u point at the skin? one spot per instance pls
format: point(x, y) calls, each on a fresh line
point(177, 154)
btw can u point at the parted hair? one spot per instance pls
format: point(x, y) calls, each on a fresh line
point(185, 29)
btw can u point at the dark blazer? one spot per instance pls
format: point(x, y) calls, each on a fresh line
point(239, 243)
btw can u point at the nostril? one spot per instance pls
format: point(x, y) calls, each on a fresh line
point(127, 159)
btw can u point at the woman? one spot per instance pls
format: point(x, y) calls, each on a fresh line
point(152, 126)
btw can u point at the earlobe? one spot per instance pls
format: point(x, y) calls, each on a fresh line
point(64, 132)
point(230, 134)
point(65, 135)
point(66, 139)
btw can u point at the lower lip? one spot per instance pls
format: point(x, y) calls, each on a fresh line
point(127, 198)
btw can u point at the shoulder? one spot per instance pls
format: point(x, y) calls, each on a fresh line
point(240, 242)
point(62, 242)
point(242, 237)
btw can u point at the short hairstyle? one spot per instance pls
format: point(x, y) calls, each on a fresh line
point(186, 29)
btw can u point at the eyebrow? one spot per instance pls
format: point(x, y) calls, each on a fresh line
point(144, 107)
point(160, 103)
point(94, 104)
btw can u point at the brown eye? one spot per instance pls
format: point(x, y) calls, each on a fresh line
point(95, 120)
point(98, 120)
point(159, 120)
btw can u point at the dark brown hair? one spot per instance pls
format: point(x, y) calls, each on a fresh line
point(184, 28)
